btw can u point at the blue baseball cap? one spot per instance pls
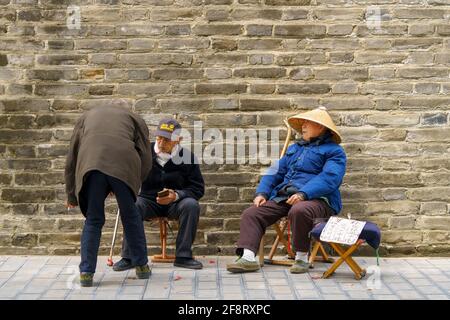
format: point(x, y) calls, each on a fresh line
point(168, 128)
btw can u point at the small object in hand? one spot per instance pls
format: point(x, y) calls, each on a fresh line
point(163, 193)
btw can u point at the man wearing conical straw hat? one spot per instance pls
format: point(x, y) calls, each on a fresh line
point(304, 186)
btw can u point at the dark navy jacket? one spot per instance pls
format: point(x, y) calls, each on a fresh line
point(315, 168)
point(184, 177)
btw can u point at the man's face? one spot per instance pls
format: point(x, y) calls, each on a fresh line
point(166, 145)
point(311, 130)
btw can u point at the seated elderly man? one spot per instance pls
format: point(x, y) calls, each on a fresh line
point(304, 186)
point(176, 170)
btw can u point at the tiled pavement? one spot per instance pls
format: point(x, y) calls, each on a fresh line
point(56, 277)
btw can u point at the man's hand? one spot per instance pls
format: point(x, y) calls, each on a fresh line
point(167, 199)
point(70, 206)
point(294, 199)
point(259, 201)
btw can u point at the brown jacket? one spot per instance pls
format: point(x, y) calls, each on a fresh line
point(112, 140)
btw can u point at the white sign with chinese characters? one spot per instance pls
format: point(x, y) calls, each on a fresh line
point(340, 230)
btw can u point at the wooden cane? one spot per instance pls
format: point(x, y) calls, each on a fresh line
point(278, 238)
point(288, 138)
point(110, 261)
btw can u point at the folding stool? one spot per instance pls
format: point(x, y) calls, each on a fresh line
point(370, 234)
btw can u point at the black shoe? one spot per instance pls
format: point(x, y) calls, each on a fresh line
point(122, 265)
point(187, 263)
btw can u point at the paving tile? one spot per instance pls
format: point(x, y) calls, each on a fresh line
point(9, 293)
point(183, 289)
point(358, 295)
point(207, 285)
point(183, 297)
point(228, 289)
point(25, 296)
point(257, 294)
point(256, 285)
point(331, 290)
point(385, 297)
point(284, 297)
point(131, 290)
point(56, 294)
point(278, 281)
point(6, 274)
point(233, 296)
point(335, 297)
point(207, 294)
point(80, 297)
point(105, 296)
point(129, 297)
point(427, 290)
point(45, 277)
point(409, 294)
point(438, 297)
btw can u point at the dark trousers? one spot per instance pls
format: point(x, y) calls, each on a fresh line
point(186, 211)
point(255, 220)
point(95, 189)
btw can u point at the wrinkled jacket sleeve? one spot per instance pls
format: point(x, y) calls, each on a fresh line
point(195, 186)
point(143, 147)
point(330, 178)
point(274, 175)
point(71, 162)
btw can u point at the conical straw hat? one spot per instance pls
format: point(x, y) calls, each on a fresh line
point(318, 115)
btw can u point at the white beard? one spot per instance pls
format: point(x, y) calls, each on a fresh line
point(164, 157)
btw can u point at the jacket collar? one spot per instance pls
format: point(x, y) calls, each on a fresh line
point(323, 138)
point(170, 162)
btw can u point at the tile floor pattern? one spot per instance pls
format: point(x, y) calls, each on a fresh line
point(56, 277)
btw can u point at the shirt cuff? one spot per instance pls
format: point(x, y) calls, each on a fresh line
point(71, 199)
point(302, 195)
point(262, 194)
point(177, 197)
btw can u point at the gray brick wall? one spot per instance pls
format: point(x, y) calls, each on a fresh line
point(380, 67)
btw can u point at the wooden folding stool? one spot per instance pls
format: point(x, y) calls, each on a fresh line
point(344, 256)
point(163, 256)
point(280, 228)
point(370, 234)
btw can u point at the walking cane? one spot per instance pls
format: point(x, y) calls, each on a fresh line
point(282, 225)
point(110, 261)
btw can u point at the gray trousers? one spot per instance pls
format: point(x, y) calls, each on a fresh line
point(186, 211)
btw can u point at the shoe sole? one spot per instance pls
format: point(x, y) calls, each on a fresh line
point(143, 275)
point(240, 270)
point(86, 284)
point(187, 267)
point(298, 272)
point(122, 269)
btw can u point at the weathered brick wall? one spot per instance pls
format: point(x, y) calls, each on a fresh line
point(231, 64)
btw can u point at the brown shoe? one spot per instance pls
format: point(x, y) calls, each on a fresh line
point(241, 265)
